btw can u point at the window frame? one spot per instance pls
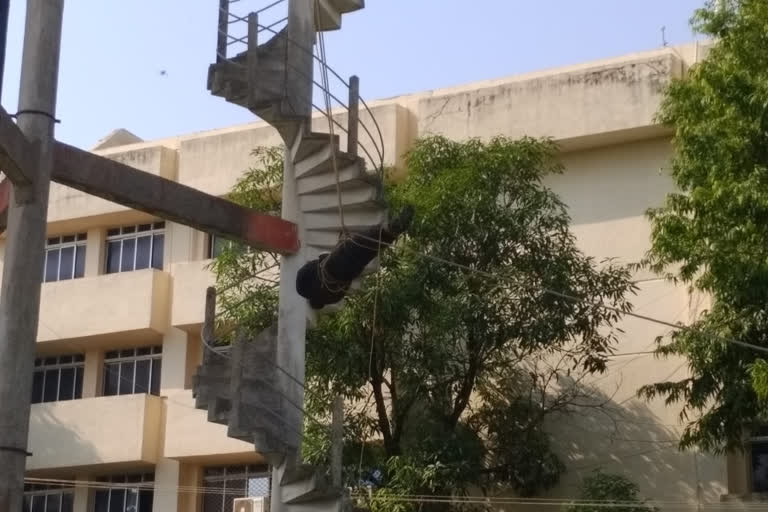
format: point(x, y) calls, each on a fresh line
point(756, 440)
point(57, 244)
point(243, 472)
point(134, 232)
point(31, 491)
point(40, 366)
point(211, 247)
point(121, 483)
point(155, 356)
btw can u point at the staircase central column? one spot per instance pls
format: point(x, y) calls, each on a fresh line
point(291, 331)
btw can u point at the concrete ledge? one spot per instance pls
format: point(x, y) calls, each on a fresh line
point(190, 280)
point(107, 430)
point(574, 105)
point(104, 310)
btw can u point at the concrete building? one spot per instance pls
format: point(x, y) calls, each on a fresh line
point(122, 305)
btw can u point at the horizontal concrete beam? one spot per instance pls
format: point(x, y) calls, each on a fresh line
point(17, 154)
point(170, 200)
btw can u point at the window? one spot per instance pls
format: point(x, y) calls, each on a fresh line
point(58, 378)
point(224, 484)
point(132, 493)
point(41, 498)
point(132, 371)
point(135, 247)
point(216, 245)
point(64, 257)
point(759, 445)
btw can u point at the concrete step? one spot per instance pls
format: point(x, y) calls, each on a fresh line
point(298, 473)
point(218, 410)
point(349, 177)
point(313, 142)
point(306, 484)
point(328, 17)
point(322, 161)
point(345, 6)
point(354, 219)
point(364, 195)
point(212, 379)
point(271, 447)
point(325, 241)
point(319, 504)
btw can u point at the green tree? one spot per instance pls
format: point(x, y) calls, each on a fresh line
point(712, 234)
point(607, 489)
point(450, 370)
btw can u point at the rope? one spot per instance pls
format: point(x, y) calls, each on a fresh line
point(329, 116)
point(370, 351)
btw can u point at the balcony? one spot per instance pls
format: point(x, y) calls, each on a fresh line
point(94, 431)
point(190, 280)
point(105, 310)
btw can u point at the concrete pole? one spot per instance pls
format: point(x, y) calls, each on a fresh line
point(5, 7)
point(293, 311)
point(22, 272)
point(291, 331)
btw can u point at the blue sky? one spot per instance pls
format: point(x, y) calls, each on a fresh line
point(113, 52)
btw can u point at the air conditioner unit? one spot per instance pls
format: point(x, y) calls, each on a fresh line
point(260, 504)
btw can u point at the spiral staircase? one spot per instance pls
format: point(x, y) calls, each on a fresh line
point(337, 193)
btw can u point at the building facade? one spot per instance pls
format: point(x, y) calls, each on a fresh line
point(123, 299)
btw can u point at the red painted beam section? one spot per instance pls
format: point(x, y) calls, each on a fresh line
point(170, 200)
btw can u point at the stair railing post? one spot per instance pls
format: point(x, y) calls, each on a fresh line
point(354, 115)
point(221, 41)
point(253, 56)
point(337, 440)
point(209, 322)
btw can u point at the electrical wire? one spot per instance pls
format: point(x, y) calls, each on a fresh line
point(422, 498)
point(574, 298)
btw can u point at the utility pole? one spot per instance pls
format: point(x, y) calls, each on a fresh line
point(5, 7)
point(23, 268)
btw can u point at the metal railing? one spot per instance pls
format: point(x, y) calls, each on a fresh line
point(252, 24)
point(233, 23)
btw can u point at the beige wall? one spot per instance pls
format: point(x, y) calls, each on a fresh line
point(615, 162)
point(72, 210)
point(190, 281)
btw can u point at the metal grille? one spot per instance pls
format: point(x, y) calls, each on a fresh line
point(47, 499)
point(130, 493)
point(226, 483)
